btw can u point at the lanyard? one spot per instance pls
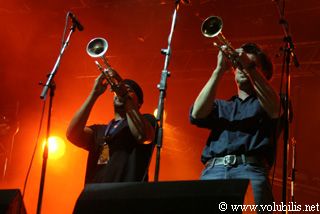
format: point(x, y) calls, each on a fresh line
point(113, 125)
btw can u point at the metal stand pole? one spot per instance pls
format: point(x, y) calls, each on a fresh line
point(288, 54)
point(50, 85)
point(162, 86)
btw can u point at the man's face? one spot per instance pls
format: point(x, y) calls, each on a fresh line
point(240, 77)
point(118, 102)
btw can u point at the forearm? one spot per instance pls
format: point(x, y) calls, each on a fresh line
point(78, 122)
point(139, 126)
point(267, 96)
point(203, 103)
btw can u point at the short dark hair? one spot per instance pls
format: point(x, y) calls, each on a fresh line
point(265, 61)
point(136, 88)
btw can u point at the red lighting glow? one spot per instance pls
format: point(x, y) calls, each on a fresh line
point(155, 113)
point(56, 147)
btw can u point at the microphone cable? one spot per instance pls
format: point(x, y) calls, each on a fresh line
point(40, 126)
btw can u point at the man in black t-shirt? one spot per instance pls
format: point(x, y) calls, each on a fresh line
point(119, 151)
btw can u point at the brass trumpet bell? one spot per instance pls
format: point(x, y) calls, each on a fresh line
point(97, 47)
point(211, 26)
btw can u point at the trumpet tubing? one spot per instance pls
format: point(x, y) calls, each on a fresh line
point(212, 27)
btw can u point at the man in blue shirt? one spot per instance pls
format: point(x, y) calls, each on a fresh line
point(241, 144)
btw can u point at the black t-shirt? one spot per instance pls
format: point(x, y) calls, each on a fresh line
point(128, 160)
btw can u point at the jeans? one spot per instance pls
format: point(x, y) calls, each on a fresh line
point(258, 177)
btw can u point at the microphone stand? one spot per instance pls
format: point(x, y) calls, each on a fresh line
point(293, 169)
point(288, 54)
point(162, 86)
point(50, 85)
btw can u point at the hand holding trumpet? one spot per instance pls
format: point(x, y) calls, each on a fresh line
point(223, 63)
point(100, 85)
point(96, 48)
point(212, 27)
point(239, 60)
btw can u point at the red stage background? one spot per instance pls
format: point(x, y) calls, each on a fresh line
point(137, 30)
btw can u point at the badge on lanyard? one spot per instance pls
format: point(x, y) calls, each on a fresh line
point(104, 151)
point(104, 154)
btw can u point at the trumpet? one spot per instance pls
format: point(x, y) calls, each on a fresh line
point(97, 48)
point(212, 27)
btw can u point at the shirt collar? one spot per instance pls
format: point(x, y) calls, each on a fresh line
point(236, 97)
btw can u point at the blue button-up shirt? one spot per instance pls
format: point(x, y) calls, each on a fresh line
point(238, 127)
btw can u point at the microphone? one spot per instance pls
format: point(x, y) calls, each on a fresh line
point(75, 21)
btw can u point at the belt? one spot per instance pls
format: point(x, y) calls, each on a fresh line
point(232, 160)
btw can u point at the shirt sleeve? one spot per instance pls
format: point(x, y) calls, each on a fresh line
point(152, 120)
point(208, 121)
point(97, 138)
